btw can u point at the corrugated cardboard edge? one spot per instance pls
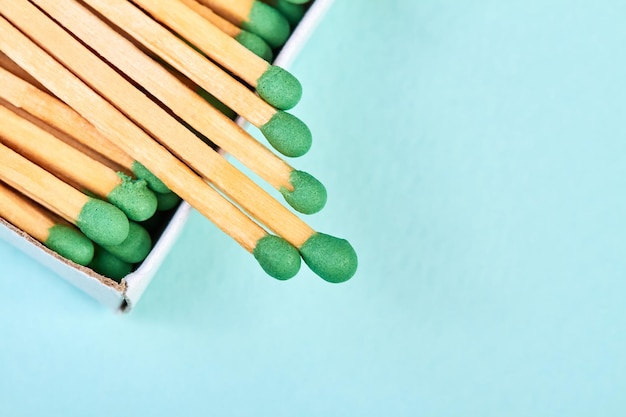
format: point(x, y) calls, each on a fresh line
point(125, 295)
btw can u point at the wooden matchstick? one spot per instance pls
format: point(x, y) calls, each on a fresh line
point(224, 25)
point(100, 221)
point(301, 190)
point(251, 41)
point(54, 112)
point(167, 130)
point(277, 257)
point(64, 137)
point(286, 133)
point(45, 227)
point(76, 168)
point(13, 68)
point(224, 50)
point(292, 11)
point(254, 16)
point(331, 258)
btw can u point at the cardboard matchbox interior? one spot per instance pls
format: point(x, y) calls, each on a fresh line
point(124, 295)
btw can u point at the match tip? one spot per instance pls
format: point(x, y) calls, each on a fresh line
point(277, 257)
point(70, 243)
point(154, 183)
point(333, 259)
point(134, 198)
point(308, 195)
point(292, 11)
point(167, 201)
point(279, 88)
point(109, 265)
point(268, 23)
point(288, 134)
point(255, 44)
point(103, 223)
point(135, 247)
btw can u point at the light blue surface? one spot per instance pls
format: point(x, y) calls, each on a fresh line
point(475, 155)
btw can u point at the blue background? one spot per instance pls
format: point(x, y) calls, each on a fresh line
point(474, 154)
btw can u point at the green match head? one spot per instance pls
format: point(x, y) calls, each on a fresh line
point(287, 134)
point(70, 243)
point(109, 265)
point(296, 1)
point(134, 198)
point(268, 23)
point(154, 183)
point(292, 11)
point(333, 259)
point(102, 222)
point(277, 257)
point(135, 247)
point(279, 88)
point(308, 195)
point(167, 201)
point(255, 44)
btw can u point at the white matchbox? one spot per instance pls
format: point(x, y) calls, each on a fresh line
point(123, 296)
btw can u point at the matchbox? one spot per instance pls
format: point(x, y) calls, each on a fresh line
point(123, 296)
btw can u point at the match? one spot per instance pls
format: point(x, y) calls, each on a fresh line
point(45, 227)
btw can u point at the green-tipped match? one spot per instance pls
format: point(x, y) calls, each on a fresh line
point(109, 265)
point(255, 44)
point(297, 1)
point(279, 88)
point(333, 259)
point(288, 134)
point(103, 223)
point(268, 23)
point(135, 247)
point(277, 257)
point(292, 11)
point(167, 201)
point(70, 243)
point(134, 198)
point(154, 183)
point(308, 195)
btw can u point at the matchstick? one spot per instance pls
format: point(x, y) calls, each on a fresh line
point(174, 136)
point(22, 94)
point(64, 137)
point(300, 189)
point(277, 86)
point(45, 227)
point(167, 201)
point(135, 248)
point(13, 68)
point(98, 220)
point(132, 197)
point(109, 265)
point(254, 16)
point(292, 11)
point(332, 258)
point(285, 132)
point(248, 39)
point(277, 257)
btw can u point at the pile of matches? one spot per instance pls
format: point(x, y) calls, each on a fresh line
point(112, 110)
